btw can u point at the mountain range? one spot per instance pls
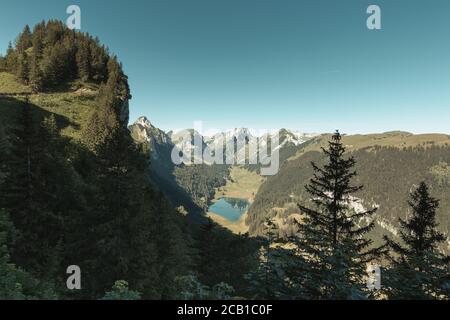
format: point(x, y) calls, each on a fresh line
point(389, 164)
point(194, 142)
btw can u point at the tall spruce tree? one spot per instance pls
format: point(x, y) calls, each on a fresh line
point(331, 237)
point(36, 77)
point(418, 269)
point(24, 41)
point(23, 68)
point(106, 121)
point(11, 59)
point(83, 63)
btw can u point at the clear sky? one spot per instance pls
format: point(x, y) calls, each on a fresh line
point(309, 65)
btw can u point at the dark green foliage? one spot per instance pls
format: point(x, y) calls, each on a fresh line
point(23, 69)
point(174, 247)
point(208, 258)
point(57, 55)
point(24, 41)
point(36, 77)
point(133, 235)
point(3, 155)
point(93, 204)
point(120, 291)
point(268, 280)
point(418, 270)
point(10, 60)
point(331, 236)
point(200, 181)
point(16, 284)
point(177, 182)
point(190, 288)
point(96, 210)
point(87, 204)
point(387, 174)
point(33, 194)
point(224, 257)
point(83, 64)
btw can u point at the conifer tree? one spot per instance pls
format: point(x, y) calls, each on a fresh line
point(99, 60)
point(23, 69)
point(3, 66)
point(24, 41)
point(55, 65)
point(88, 206)
point(331, 235)
point(83, 63)
point(418, 269)
point(38, 40)
point(11, 58)
point(36, 76)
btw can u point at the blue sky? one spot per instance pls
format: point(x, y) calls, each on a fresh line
point(309, 65)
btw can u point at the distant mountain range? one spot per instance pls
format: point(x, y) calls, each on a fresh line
point(143, 131)
point(389, 165)
point(192, 187)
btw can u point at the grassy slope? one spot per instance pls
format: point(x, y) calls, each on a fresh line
point(396, 139)
point(72, 107)
point(9, 84)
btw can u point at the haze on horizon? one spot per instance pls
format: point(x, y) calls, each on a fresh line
point(310, 66)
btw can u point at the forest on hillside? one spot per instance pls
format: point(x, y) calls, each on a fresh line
point(87, 202)
point(387, 173)
point(92, 200)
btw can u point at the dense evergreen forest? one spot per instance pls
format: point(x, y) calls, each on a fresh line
point(200, 181)
point(89, 202)
point(388, 174)
point(93, 200)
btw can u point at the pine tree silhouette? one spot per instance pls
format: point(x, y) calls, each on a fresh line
point(418, 270)
point(332, 234)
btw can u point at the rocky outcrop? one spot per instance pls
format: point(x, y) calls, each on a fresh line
point(124, 112)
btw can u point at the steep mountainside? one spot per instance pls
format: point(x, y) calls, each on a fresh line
point(194, 186)
point(73, 185)
point(388, 165)
point(189, 187)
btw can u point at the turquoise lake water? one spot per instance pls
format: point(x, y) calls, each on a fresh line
point(230, 208)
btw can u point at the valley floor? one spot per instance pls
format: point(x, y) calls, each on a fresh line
point(242, 184)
